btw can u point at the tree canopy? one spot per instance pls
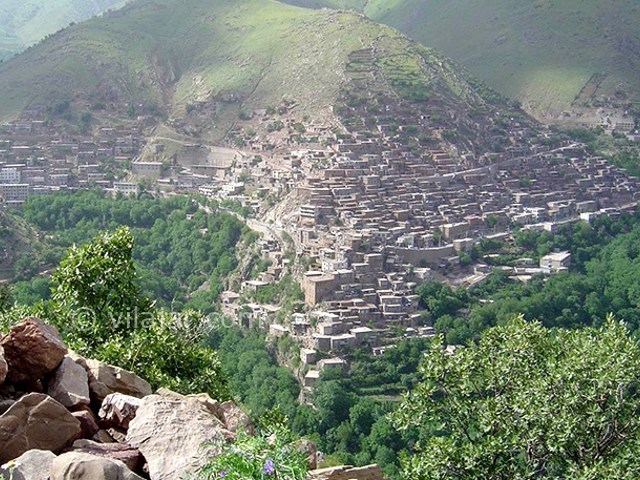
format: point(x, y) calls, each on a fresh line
point(528, 402)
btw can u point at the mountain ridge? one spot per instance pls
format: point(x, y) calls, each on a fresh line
point(548, 55)
point(23, 23)
point(163, 57)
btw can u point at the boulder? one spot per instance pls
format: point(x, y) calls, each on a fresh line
point(310, 451)
point(106, 379)
point(36, 421)
point(31, 465)
point(88, 423)
point(103, 437)
point(122, 452)
point(119, 435)
point(3, 366)
point(118, 410)
point(235, 419)
point(209, 403)
point(83, 466)
point(70, 384)
point(347, 472)
point(173, 434)
point(32, 349)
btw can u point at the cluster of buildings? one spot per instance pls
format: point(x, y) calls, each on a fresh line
point(372, 208)
point(38, 157)
point(375, 217)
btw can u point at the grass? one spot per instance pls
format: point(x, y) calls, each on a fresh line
point(541, 52)
point(237, 55)
point(23, 23)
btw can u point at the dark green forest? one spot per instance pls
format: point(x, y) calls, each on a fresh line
point(604, 278)
point(178, 247)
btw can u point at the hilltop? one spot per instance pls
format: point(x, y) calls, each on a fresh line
point(549, 55)
point(23, 23)
point(166, 58)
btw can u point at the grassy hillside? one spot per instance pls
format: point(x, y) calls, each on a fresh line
point(24, 22)
point(164, 56)
point(541, 52)
point(170, 53)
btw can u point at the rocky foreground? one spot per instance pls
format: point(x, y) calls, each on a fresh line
point(65, 417)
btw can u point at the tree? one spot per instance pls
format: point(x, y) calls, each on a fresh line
point(95, 284)
point(98, 307)
point(528, 402)
point(6, 297)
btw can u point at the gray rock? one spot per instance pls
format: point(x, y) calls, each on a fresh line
point(31, 465)
point(103, 437)
point(172, 433)
point(122, 452)
point(84, 466)
point(3, 366)
point(118, 410)
point(36, 421)
point(235, 419)
point(70, 384)
point(88, 423)
point(106, 379)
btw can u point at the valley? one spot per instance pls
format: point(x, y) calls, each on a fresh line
point(333, 196)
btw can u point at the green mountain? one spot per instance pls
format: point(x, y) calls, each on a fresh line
point(547, 54)
point(163, 57)
point(25, 22)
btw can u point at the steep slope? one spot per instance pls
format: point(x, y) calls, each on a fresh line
point(24, 22)
point(167, 57)
point(547, 54)
point(167, 53)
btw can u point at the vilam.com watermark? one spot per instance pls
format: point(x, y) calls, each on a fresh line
point(191, 322)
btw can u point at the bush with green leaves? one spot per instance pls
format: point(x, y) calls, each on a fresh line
point(528, 402)
point(270, 455)
point(101, 313)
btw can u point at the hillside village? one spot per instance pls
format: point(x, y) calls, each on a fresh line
point(371, 209)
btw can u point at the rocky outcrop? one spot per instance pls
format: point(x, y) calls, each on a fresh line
point(31, 465)
point(162, 436)
point(310, 451)
point(121, 452)
point(234, 418)
point(106, 379)
point(70, 384)
point(32, 349)
point(88, 423)
point(118, 410)
point(84, 466)
point(172, 433)
point(3, 366)
point(347, 472)
point(36, 421)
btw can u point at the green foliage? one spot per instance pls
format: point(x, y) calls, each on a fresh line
point(627, 160)
point(177, 247)
point(255, 378)
point(6, 297)
point(168, 350)
point(439, 298)
point(602, 280)
point(272, 454)
point(96, 283)
point(527, 402)
point(101, 314)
